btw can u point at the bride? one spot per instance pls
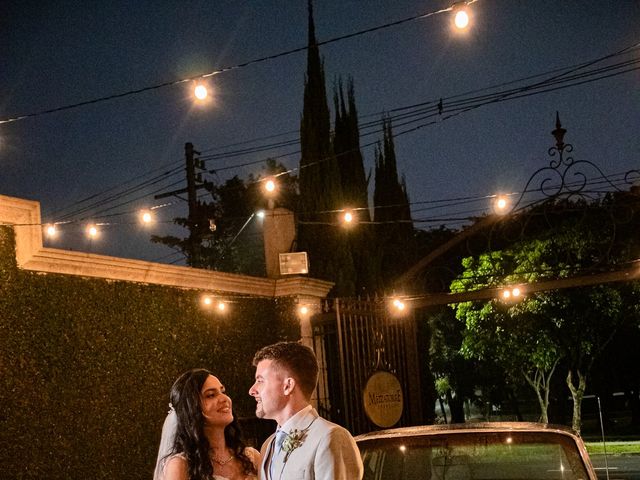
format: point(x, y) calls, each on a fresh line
point(200, 437)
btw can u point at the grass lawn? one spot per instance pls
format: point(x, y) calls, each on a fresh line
point(613, 448)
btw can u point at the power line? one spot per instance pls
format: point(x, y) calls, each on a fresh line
point(561, 79)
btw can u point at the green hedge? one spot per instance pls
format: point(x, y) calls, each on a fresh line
point(86, 366)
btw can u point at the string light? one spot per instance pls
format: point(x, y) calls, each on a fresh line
point(500, 204)
point(92, 231)
point(348, 217)
point(200, 91)
point(460, 15)
point(398, 304)
point(461, 19)
point(207, 300)
point(233, 67)
point(146, 217)
point(270, 186)
point(526, 90)
point(50, 230)
point(514, 294)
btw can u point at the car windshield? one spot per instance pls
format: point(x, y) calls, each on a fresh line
point(473, 456)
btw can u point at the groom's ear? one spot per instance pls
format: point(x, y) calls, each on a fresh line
point(289, 385)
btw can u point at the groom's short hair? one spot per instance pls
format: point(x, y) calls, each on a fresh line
point(299, 360)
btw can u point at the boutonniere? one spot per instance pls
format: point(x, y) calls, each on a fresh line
point(294, 439)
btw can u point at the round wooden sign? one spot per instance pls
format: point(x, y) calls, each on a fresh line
point(382, 398)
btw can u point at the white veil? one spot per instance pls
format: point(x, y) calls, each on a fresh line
point(166, 442)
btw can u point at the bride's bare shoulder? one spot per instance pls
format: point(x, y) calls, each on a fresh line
point(176, 468)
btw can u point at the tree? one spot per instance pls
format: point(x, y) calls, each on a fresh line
point(320, 185)
point(354, 183)
point(532, 336)
point(230, 238)
point(392, 214)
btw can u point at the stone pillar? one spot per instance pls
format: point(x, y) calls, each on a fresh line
point(279, 233)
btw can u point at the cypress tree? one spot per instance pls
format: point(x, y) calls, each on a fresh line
point(354, 182)
point(392, 213)
point(320, 187)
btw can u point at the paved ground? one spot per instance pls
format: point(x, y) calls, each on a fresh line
point(621, 467)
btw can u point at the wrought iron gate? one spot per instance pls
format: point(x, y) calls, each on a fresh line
point(354, 338)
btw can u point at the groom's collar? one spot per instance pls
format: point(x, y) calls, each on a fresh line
point(300, 419)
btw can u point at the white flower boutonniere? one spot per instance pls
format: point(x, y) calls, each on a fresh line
point(293, 440)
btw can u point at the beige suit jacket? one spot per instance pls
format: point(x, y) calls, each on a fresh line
point(327, 452)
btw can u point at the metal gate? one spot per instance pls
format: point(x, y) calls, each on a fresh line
point(353, 338)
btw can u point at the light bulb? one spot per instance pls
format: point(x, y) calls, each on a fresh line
point(92, 231)
point(146, 216)
point(461, 19)
point(500, 204)
point(51, 230)
point(270, 186)
point(200, 92)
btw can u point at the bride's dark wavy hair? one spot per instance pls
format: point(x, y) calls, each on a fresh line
point(190, 439)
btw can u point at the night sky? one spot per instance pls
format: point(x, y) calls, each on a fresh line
point(58, 53)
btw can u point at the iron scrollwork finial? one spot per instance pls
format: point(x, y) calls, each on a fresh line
point(565, 177)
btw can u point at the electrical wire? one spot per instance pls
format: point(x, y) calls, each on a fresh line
point(453, 109)
point(230, 68)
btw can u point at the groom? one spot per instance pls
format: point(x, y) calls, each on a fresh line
point(305, 445)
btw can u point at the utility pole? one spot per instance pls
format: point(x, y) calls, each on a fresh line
point(196, 216)
point(193, 242)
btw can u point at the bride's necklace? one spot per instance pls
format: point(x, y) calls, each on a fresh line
point(223, 462)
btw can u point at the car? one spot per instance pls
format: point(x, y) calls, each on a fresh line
point(475, 451)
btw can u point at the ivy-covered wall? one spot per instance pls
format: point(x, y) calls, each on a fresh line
point(87, 364)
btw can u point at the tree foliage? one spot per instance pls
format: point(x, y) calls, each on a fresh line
point(532, 335)
point(230, 237)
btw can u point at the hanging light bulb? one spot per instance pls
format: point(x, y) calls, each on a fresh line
point(200, 91)
point(50, 230)
point(461, 16)
point(398, 304)
point(146, 216)
point(270, 186)
point(207, 300)
point(500, 204)
point(461, 19)
point(92, 231)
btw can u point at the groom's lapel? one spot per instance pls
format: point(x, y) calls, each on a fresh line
point(297, 458)
point(266, 464)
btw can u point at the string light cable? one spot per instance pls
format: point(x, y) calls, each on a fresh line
point(599, 186)
point(233, 67)
point(431, 112)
